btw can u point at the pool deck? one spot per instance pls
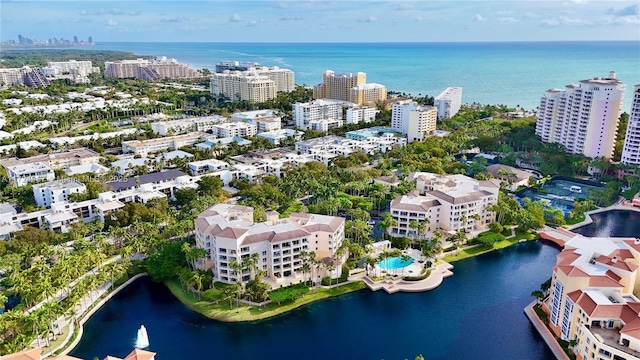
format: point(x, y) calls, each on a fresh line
point(391, 286)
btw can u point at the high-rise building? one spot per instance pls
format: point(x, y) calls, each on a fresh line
point(368, 93)
point(149, 70)
point(235, 66)
point(350, 87)
point(338, 85)
point(243, 86)
point(583, 118)
point(75, 39)
point(320, 109)
point(631, 149)
point(415, 121)
point(33, 77)
point(90, 40)
point(448, 102)
point(71, 67)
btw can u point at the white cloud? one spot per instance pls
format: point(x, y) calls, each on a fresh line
point(112, 23)
point(370, 18)
point(134, 13)
point(282, 5)
point(291, 18)
point(419, 18)
point(508, 20)
point(579, 1)
point(504, 12)
point(116, 12)
point(566, 21)
point(479, 18)
point(175, 19)
point(403, 6)
point(235, 18)
point(530, 15)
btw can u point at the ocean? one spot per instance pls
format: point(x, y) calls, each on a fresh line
point(510, 73)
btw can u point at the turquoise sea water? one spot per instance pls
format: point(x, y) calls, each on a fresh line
point(511, 73)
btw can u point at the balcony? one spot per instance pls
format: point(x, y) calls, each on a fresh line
point(611, 337)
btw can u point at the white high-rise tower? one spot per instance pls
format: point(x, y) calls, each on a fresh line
point(631, 149)
point(583, 118)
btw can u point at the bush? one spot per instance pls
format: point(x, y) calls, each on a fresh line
point(489, 238)
point(288, 293)
point(417, 278)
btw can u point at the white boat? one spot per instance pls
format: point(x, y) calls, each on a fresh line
point(575, 189)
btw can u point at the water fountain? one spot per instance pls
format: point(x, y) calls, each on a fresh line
point(142, 341)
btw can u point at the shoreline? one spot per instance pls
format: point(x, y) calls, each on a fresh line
point(251, 313)
point(67, 348)
point(587, 215)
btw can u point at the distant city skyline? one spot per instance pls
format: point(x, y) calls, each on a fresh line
point(323, 21)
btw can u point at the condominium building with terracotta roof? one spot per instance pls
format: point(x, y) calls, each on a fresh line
point(592, 299)
point(229, 232)
point(447, 202)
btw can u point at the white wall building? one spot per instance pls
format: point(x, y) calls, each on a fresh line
point(447, 202)
point(319, 109)
point(448, 102)
point(57, 191)
point(182, 126)
point(23, 174)
point(228, 232)
point(235, 129)
point(360, 113)
point(276, 136)
point(583, 118)
point(631, 149)
point(325, 124)
point(265, 120)
point(415, 121)
point(145, 147)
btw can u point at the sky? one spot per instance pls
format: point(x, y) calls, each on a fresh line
point(321, 21)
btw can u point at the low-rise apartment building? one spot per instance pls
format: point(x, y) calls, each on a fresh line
point(591, 299)
point(23, 174)
point(235, 129)
point(145, 147)
point(276, 136)
point(229, 232)
point(182, 126)
point(57, 191)
point(265, 120)
point(59, 160)
point(447, 202)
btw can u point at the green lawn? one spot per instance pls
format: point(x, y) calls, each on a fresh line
point(478, 250)
point(579, 218)
point(223, 312)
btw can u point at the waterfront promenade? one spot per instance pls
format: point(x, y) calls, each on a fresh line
point(546, 335)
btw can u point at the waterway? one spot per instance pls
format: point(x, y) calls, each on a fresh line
point(476, 314)
point(620, 223)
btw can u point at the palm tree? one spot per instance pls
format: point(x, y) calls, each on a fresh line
point(405, 258)
point(195, 283)
point(3, 300)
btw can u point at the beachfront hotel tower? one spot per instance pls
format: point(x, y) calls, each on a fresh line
point(631, 149)
point(583, 118)
point(415, 121)
point(351, 87)
point(448, 102)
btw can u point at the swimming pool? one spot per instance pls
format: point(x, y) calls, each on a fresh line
point(394, 263)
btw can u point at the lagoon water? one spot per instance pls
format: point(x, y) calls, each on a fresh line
point(476, 314)
point(612, 223)
point(511, 73)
